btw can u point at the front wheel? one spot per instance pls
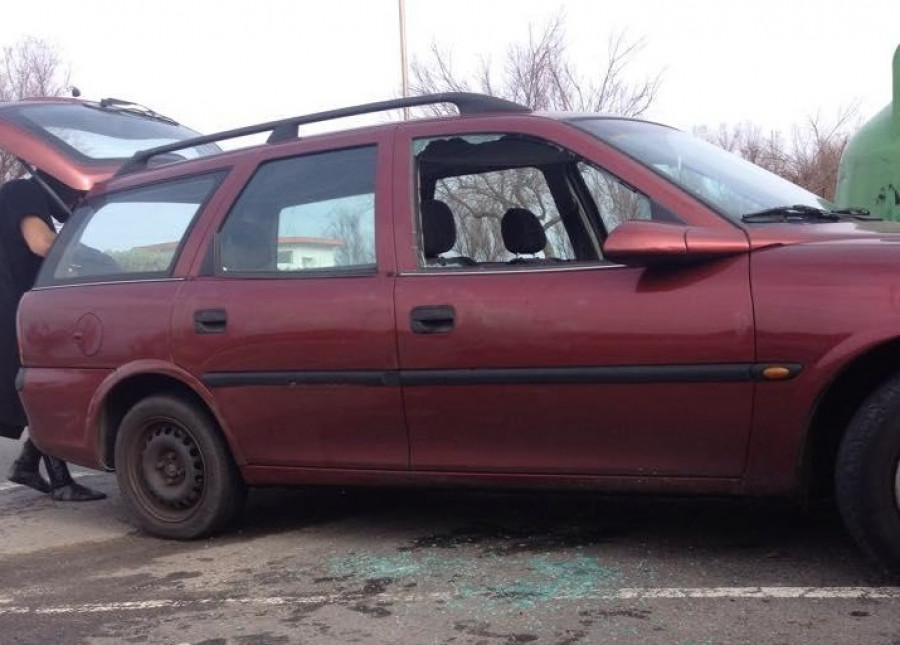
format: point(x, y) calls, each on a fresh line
point(867, 475)
point(174, 469)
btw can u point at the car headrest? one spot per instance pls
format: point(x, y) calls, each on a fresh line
point(522, 231)
point(438, 227)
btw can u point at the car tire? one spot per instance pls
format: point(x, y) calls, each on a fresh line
point(867, 476)
point(175, 471)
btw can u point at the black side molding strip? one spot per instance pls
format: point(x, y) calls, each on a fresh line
point(718, 373)
point(623, 374)
point(374, 378)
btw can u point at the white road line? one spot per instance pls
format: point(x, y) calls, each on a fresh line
point(633, 593)
point(5, 486)
point(758, 592)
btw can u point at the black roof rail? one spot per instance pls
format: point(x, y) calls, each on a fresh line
point(286, 129)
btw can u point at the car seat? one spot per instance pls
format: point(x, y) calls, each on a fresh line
point(244, 247)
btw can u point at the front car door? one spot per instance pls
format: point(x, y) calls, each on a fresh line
point(290, 323)
point(522, 350)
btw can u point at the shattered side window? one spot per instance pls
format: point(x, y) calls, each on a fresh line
point(489, 201)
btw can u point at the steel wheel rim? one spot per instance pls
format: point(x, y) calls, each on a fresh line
point(170, 471)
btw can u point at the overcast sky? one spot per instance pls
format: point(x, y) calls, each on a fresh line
point(216, 64)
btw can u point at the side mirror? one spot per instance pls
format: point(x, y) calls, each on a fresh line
point(644, 243)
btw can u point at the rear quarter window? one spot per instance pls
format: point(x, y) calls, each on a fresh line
point(128, 235)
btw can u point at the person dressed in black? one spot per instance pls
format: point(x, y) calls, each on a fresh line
point(26, 233)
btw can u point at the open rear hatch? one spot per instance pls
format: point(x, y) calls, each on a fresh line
point(81, 143)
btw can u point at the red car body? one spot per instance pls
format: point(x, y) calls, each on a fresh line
point(705, 355)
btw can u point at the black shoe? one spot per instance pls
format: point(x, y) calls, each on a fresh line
point(31, 478)
point(63, 488)
point(75, 492)
point(25, 469)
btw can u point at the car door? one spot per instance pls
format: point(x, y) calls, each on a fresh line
point(540, 357)
point(290, 323)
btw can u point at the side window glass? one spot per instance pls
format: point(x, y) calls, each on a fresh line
point(487, 199)
point(134, 231)
point(615, 201)
point(303, 214)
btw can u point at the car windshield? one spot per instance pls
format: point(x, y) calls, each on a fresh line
point(95, 133)
point(728, 183)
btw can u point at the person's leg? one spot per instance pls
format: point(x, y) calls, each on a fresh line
point(25, 469)
point(65, 489)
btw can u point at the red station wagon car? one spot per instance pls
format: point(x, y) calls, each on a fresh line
point(498, 298)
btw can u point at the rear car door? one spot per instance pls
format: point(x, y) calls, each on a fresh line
point(522, 350)
point(103, 301)
point(291, 320)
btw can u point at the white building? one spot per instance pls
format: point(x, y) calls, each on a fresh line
point(306, 252)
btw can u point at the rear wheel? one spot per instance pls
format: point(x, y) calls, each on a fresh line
point(174, 469)
point(868, 475)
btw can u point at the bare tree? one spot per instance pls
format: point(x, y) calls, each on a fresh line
point(809, 157)
point(356, 236)
point(539, 74)
point(817, 150)
point(28, 68)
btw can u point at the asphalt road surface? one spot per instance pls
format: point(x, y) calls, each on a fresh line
point(423, 567)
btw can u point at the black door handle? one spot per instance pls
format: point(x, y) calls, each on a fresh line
point(432, 319)
point(210, 321)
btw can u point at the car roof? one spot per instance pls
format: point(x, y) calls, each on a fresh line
point(288, 129)
point(467, 103)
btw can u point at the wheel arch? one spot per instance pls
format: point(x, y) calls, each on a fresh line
point(835, 407)
point(128, 386)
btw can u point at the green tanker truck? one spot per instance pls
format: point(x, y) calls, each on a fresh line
point(869, 173)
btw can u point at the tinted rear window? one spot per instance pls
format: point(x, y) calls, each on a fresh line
point(94, 133)
point(128, 235)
